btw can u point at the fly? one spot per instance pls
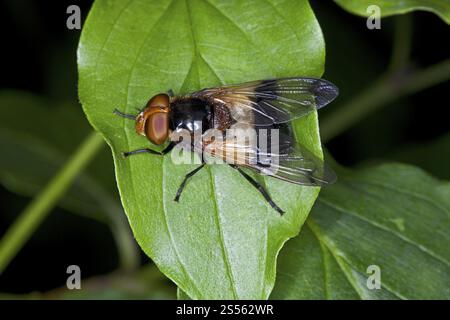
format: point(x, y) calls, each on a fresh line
point(264, 106)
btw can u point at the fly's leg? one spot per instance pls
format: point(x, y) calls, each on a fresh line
point(170, 93)
point(260, 189)
point(186, 178)
point(124, 115)
point(147, 150)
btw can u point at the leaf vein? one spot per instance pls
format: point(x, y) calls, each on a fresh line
point(386, 229)
point(405, 192)
point(233, 23)
point(133, 67)
point(322, 243)
point(169, 233)
point(339, 260)
point(222, 239)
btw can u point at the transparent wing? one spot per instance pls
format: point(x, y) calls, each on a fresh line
point(300, 166)
point(272, 101)
point(290, 161)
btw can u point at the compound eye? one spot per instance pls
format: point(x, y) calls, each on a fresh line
point(153, 121)
point(160, 101)
point(157, 127)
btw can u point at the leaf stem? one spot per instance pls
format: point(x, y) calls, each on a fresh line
point(386, 89)
point(41, 205)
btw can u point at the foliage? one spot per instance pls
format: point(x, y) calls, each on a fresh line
point(221, 240)
point(393, 216)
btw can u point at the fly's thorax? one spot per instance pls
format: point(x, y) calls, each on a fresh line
point(191, 114)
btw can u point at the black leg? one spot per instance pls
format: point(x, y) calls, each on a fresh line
point(147, 150)
point(169, 148)
point(260, 189)
point(124, 115)
point(186, 178)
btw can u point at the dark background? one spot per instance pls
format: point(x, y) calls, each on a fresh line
point(39, 56)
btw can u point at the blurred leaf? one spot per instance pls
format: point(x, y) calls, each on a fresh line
point(391, 7)
point(222, 239)
point(433, 157)
point(394, 216)
point(36, 138)
point(147, 283)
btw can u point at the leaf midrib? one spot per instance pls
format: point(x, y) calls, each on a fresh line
point(221, 236)
point(127, 137)
point(217, 220)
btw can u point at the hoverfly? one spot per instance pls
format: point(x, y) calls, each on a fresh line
point(265, 104)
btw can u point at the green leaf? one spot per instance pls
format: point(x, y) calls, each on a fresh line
point(394, 216)
point(424, 155)
point(221, 240)
point(181, 295)
point(392, 7)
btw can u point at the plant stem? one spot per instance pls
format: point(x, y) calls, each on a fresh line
point(129, 259)
point(401, 45)
point(128, 253)
point(40, 206)
point(385, 90)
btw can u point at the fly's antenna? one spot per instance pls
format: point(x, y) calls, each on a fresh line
point(124, 115)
